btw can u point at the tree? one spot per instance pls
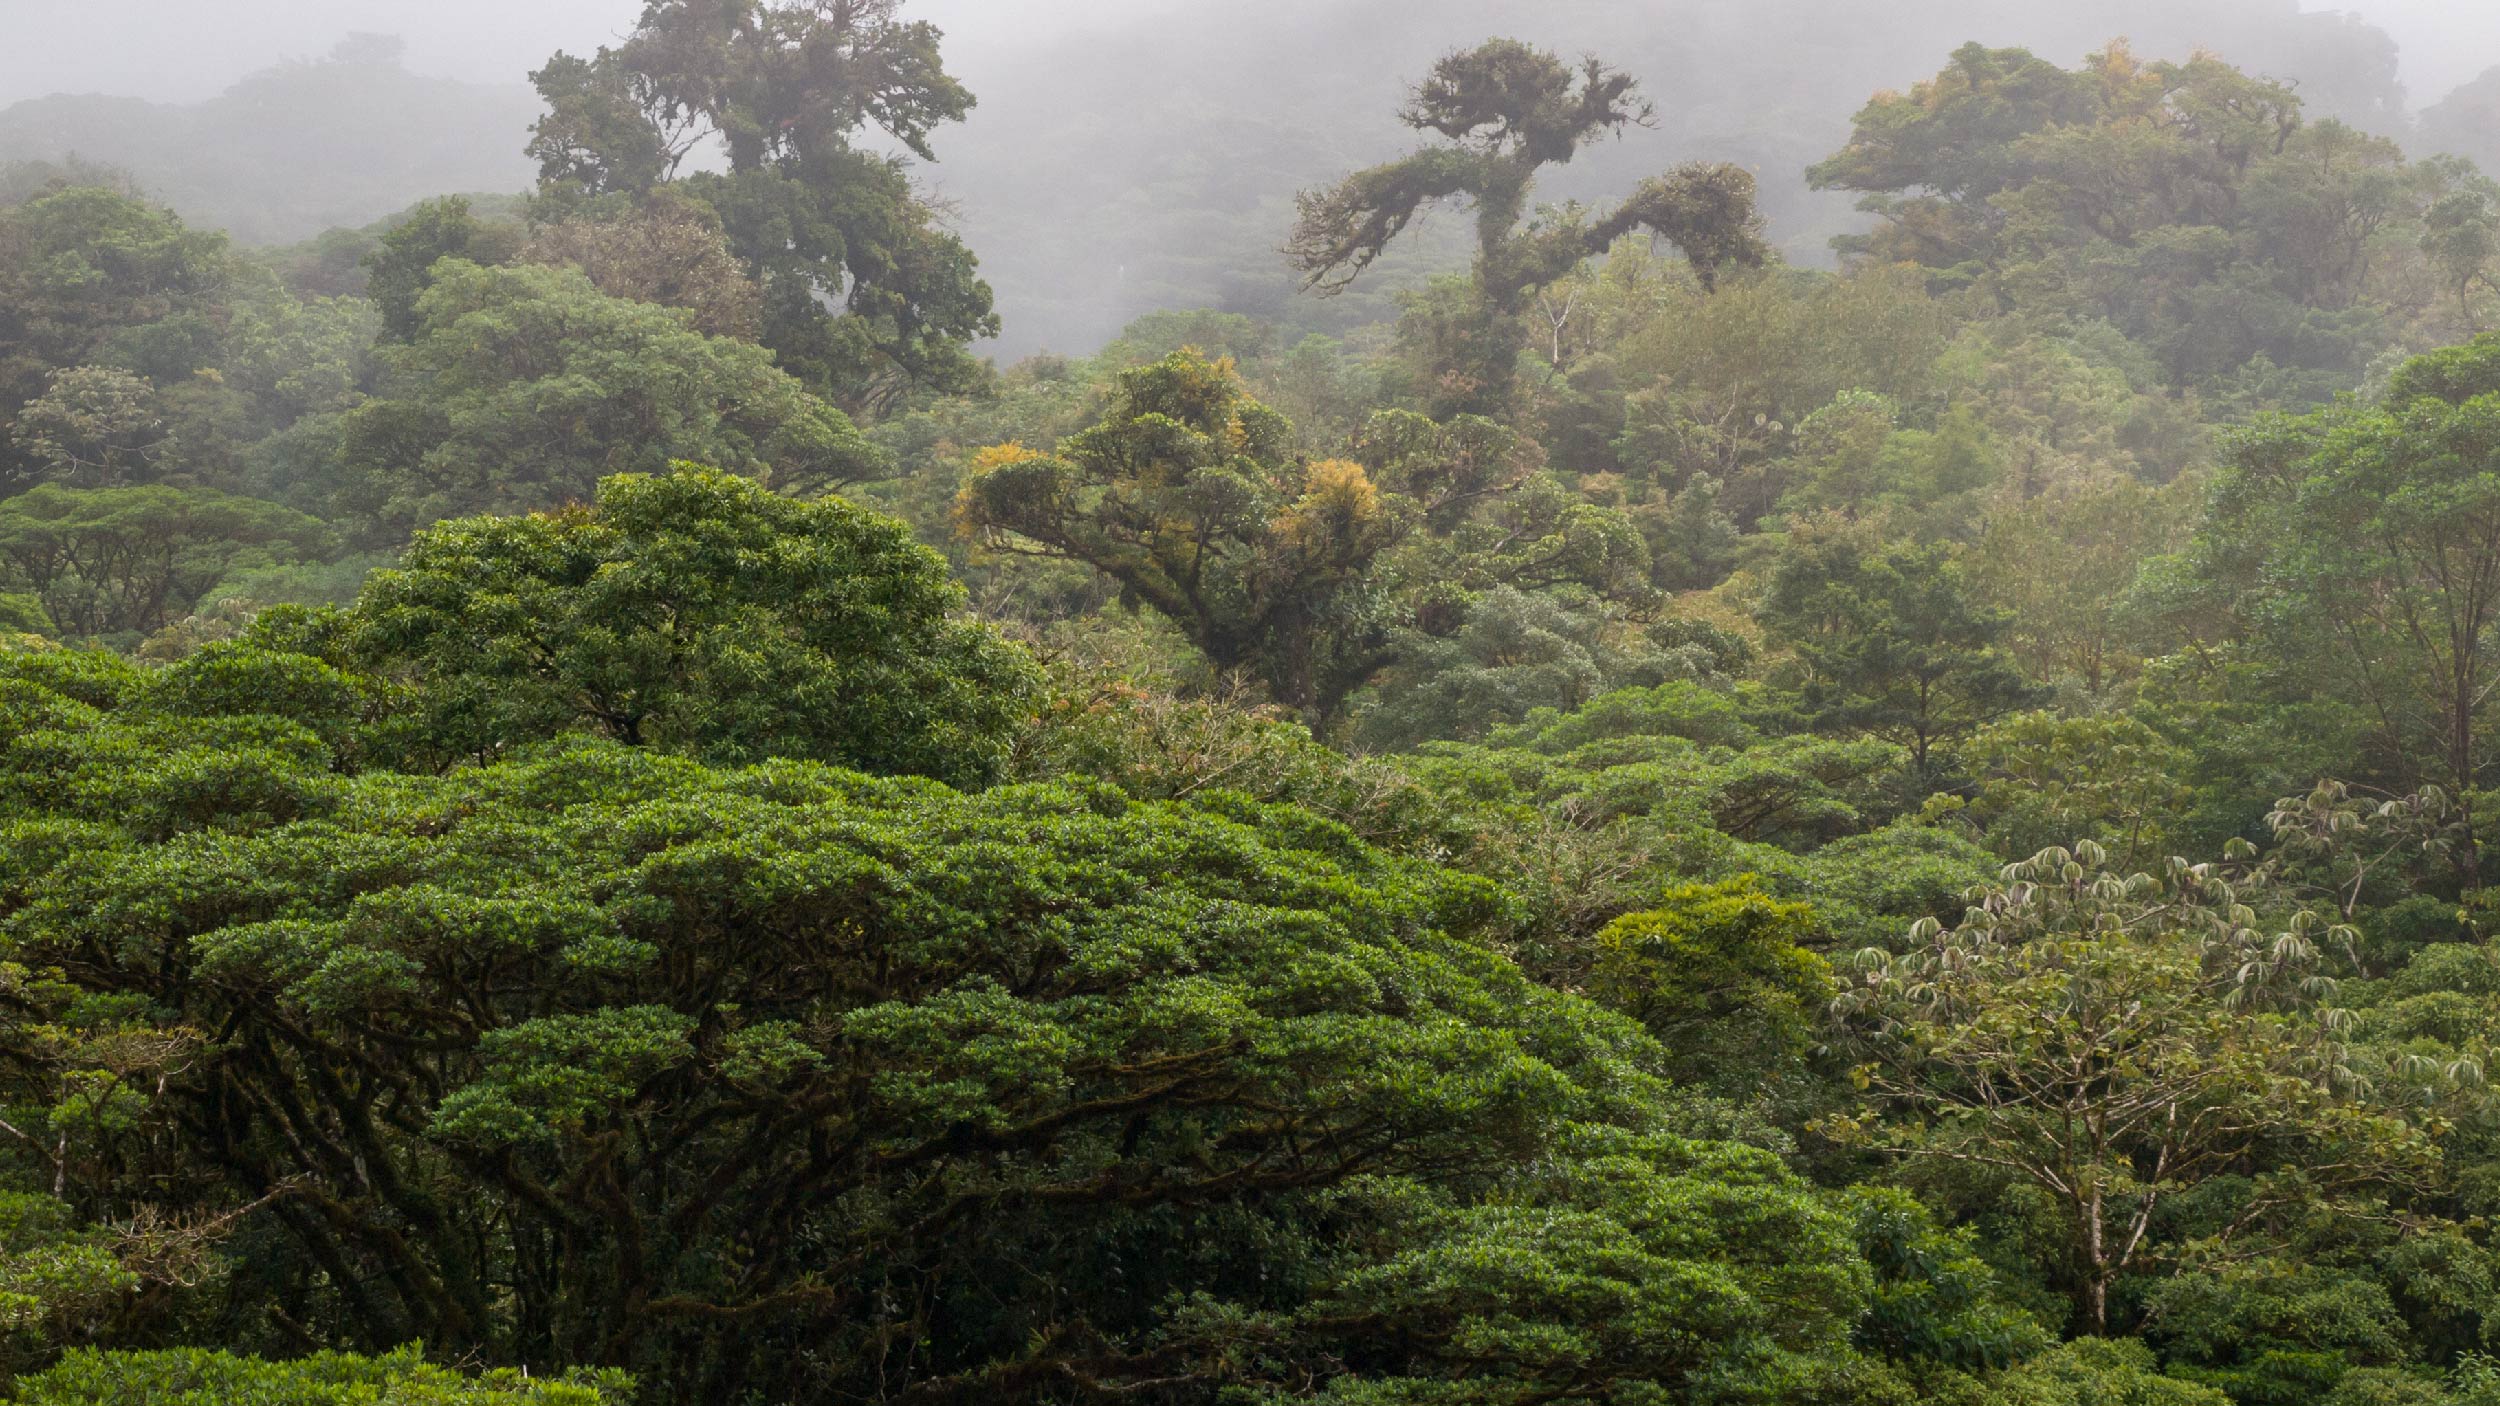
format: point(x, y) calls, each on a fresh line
point(93, 277)
point(693, 612)
point(2061, 566)
point(1950, 138)
point(1630, 1268)
point(1716, 382)
point(1188, 494)
point(1515, 653)
point(2097, 1372)
point(288, 358)
point(2045, 779)
point(741, 1078)
point(2187, 204)
point(112, 561)
point(525, 386)
point(1936, 1300)
point(667, 251)
point(93, 427)
point(2117, 1043)
point(1601, 811)
point(2460, 124)
point(1693, 541)
point(400, 267)
point(1505, 111)
point(1722, 975)
point(1893, 643)
point(865, 292)
point(2461, 238)
point(2362, 543)
point(2275, 1330)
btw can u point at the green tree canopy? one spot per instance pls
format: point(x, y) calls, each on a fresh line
point(738, 1078)
point(524, 386)
point(694, 612)
point(93, 427)
point(117, 561)
point(1894, 644)
point(2188, 204)
point(1301, 573)
point(865, 292)
point(400, 265)
point(94, 277)
point(665, 250)
point(1189, 495)
point(2118, 1043)
point(2361, 546)
point(1608, 809)
point(194, 1378)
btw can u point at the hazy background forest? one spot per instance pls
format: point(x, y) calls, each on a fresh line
point(1130, 158)
point(1338, 703)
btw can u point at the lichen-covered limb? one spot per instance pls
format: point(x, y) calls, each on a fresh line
point(1704, 209)
point(1343, 229)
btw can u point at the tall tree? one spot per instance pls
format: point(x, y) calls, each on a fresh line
point(109, 561)
point(93, 427)
point(865, 292)
point(1188, 494)
point(93, 277)
point(1894, 643)
point(1294, 571)
point(786, 1083)
point(2188, 204)
point(399, 268)
point(1505, 111)
point(2361, 544)
point(667, 251)
point(2115, 1043)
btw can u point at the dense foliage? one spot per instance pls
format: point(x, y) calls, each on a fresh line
point(593, 811)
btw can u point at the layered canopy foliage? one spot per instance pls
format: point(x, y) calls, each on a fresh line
point(1224, 1036)
point(1650, 828)
point(523, 387)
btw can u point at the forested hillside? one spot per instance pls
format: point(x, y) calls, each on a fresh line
point(1128, 161)
point(296, 149)
point(601, 809)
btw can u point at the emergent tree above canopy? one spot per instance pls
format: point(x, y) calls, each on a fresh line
point(1505, 111)
point(864, 292)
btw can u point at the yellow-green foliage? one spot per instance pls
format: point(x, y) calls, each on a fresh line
point(1719, 971)
point(189, 1377)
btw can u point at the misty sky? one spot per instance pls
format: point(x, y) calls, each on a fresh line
point(182, 50)
point(190, 49)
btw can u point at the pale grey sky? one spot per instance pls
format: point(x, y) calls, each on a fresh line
point(193, 48)
point(189, 49)
point(2444, 42)
point(181, 50)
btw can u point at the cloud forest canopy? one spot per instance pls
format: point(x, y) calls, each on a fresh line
point(596, 810)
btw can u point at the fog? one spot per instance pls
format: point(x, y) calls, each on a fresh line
point(2442, 42)
point(1132, 154)
point(185, 50)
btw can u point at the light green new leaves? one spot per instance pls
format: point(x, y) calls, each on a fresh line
point(189, 1377)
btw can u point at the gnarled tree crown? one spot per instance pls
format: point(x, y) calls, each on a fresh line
point(1508, 109)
